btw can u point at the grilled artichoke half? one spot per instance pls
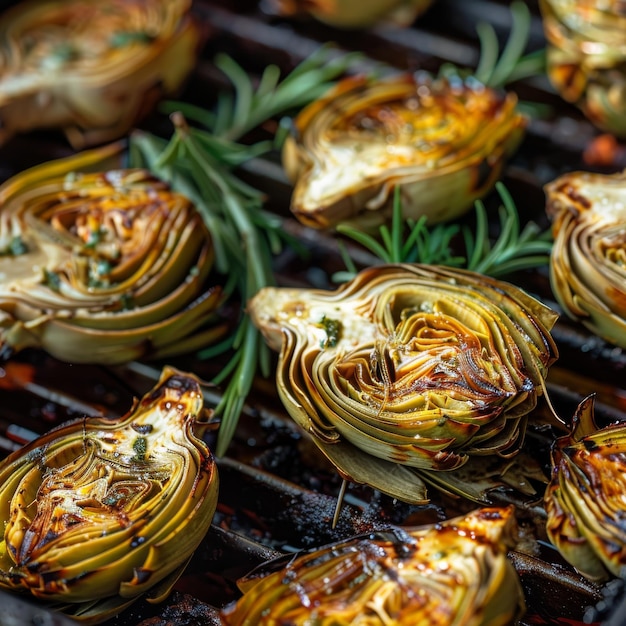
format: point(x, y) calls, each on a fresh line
point(455, 573)
point(103, 266)
point(98, 511)
point(408, 367)
point(585, 498)
point(442, 142)
point(586, 57)
point(588, 260)
point(354, 14)
point(91, 67)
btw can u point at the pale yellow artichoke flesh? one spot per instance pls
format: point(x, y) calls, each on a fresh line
point(588, 259)
point(408, 366)
point(98, 511)
point(455, 573)
point(586, 497)
point(444, 143)
point(354, 14)
point(103, 265)
point(586, 57)
point(91, 67)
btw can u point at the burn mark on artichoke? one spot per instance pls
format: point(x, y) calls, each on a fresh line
point(589, 444)
point(180, 383)
point(142, 575)
point(142, 429)
point(572, 193)
point(482, 175)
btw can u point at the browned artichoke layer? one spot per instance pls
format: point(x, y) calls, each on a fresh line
point(103, 266)
point(443, 142)
point(91, 67)
point(408, 365)
point(586, 495)
point(352, 13)
point(588, 260)
point(586, 57)
point(455, 573)
point(100, 511)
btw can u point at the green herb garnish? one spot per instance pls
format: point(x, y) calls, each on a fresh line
point(410, 241)
point(333, 329)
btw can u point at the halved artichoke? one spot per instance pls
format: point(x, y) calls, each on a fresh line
point(408, 367)
point(91, 67)
point(443, 142)
point(455, 573)
point(355, 14)
point(588, 260)
point(103, 266)
point(585, 500)
point(586, 57)
point(99, 511)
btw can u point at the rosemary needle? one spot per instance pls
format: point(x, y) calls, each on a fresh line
point(514, 249)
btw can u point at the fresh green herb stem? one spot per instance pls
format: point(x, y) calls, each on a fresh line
point(513, 250)
point(249, 107)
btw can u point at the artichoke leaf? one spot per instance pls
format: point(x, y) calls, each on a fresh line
point(443, 143)
point(455, 572)
point(98, 512)
point(417, 366)
point(585, 497)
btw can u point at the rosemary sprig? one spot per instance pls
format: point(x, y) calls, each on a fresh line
point(496, 69)
point(513, 250)
point(248, 107)
point(199, 161)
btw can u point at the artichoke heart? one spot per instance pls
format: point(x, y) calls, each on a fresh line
point(103, 265)
point(455, 573)
point(354, 14)
point(588, 260)
point(98, 511)
point(586, 497)
point(442, 141)
point(408, 366)
point(586, 57)
point(91, 67)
